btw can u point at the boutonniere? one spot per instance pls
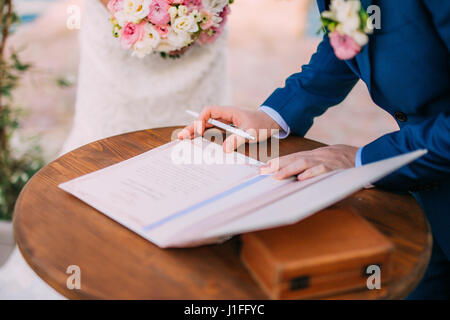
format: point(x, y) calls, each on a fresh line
point(348, 26)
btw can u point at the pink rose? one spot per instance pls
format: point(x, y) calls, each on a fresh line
point(344, 46)
point(162, 30)
point(132, 33)
point(175, 1)
point(114, 6)
point(159, 12)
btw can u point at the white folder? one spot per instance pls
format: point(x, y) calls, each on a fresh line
point(238, 201)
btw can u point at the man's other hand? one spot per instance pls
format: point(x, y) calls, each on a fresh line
point(309, 164)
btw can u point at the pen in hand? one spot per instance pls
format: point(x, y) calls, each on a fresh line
point(235, 130)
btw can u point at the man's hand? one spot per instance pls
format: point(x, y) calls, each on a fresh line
point(309, 164)
point(249, 120)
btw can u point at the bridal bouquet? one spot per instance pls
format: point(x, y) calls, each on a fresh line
point(167, 27)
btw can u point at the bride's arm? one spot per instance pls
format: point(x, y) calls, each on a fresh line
point(105, 2)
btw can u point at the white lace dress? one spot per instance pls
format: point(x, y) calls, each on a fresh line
point(118, 93)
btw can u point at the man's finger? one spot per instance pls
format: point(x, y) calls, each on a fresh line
point(293, 168)
point(224, 114)
point(199, 127)
point(187, 132)
point(276, 164)
point(232, 143)
point(270, 167)
point(312, 172)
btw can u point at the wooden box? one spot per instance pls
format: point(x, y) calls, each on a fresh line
point(326, 254)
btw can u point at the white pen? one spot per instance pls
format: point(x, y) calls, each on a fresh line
point(225, 127)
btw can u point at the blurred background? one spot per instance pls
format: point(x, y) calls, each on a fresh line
point(268, 41)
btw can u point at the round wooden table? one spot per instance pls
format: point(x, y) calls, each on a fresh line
point(55, 230)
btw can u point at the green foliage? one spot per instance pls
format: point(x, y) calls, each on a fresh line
point(328, 25)
point(364, 17)
point(63, 82)
point(15, 170)
point(14, 174)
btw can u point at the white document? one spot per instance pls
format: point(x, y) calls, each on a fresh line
point(187, 193)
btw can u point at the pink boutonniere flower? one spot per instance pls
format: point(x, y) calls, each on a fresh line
point(348, 27)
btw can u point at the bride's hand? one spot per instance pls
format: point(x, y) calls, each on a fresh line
point(255, 122)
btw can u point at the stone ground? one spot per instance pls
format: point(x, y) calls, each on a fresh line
point(6, 241)
point(267, 43)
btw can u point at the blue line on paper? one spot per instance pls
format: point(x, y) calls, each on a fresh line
point(204, 202)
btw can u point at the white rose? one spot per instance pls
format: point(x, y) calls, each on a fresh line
point(141, 49)
point(347, 13)
point(329, 15)
point(133, 11)
point(360, 38)
point(185, 24)
point(350, 25)
point(215, 6)
point(177, 40)
point(149, 42)
point(345, 8)
point(151, 35)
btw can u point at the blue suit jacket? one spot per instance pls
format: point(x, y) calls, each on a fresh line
point(406, 67)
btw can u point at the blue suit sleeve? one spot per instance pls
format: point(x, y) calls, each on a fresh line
point(322, 83)
point(432, 134)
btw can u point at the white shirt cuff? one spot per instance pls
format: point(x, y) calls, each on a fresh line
point(285, 130)
point(358, 158)
point(358, 163)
